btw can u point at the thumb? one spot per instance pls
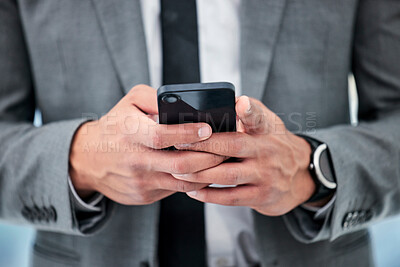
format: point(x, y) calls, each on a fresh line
point(144, 98)
point(253, 115)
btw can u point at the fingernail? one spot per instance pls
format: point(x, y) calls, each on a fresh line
point(179, 175)
point(192, 193)
point(248, 109)
point(183, 145)
point(204, 132)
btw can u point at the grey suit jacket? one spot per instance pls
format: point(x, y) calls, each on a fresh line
point(70, 58)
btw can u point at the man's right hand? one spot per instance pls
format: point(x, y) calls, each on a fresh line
point(119, 155)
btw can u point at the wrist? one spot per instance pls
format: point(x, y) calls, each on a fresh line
point(82, 188)
point(322, 173)
point(77, 171)
point(305, 186)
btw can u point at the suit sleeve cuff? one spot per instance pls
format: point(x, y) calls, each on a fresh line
point(90, 205)
point(320, 213)
point(308, 224)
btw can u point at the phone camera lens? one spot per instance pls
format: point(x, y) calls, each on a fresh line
point(170, 99)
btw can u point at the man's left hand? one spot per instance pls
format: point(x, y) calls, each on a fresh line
point(271, 171)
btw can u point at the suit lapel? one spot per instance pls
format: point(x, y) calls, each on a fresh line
point(121, 22)
point(122, 25)
point(260, 25)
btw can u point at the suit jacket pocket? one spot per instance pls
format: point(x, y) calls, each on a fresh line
point(351, 241)
point(52, 255)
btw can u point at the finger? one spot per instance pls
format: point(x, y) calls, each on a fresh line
point(160, 136)
point(233, 196)
point(177, 162)
point(143, 97)
point(231, 173)
point(150, 181)
point(120, 196)
point(161, 194)
point(252, 115)
point(168, 182)
point(234, 144)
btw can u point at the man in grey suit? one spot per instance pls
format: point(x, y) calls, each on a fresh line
point(71, 58)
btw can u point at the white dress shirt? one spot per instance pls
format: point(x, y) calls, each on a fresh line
point(219, 46)
point(229, 230)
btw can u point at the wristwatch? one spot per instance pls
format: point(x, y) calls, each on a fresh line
point(321, 170)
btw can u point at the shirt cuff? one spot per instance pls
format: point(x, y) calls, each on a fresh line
point(320, 213)
point(90, 205)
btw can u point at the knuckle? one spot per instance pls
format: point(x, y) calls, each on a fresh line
point(145, 198)
point(238, 146)
point(136, 164)
point(139, 183)
point(137, 88)
point(182, 186)
point(188, 131)
point(232, 201)
point(157, 138)
point(179, 166)
point(233, 176)
point(133, 93)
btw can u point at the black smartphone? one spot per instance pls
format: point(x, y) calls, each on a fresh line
point(212, 103)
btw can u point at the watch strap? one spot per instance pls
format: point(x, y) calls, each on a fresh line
point(321, 191)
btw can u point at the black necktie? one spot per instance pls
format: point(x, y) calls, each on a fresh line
point(181, 229)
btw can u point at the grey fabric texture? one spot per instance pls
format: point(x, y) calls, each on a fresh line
point(76, 59)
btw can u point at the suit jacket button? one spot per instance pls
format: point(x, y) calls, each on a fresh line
point(362, 213)
point(43, 214)
point(37, 213)
point(46, 214)
point(27, 213)
point(347, 220)
point(53, 213)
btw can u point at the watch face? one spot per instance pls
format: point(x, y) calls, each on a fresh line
point(323, 167)
point(326, 166)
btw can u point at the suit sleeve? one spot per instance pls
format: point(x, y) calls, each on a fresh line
point(33, 160)
point(366, 158)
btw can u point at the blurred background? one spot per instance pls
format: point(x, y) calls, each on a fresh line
point(16, 241)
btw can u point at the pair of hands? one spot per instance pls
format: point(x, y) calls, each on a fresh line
point(120, 156)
